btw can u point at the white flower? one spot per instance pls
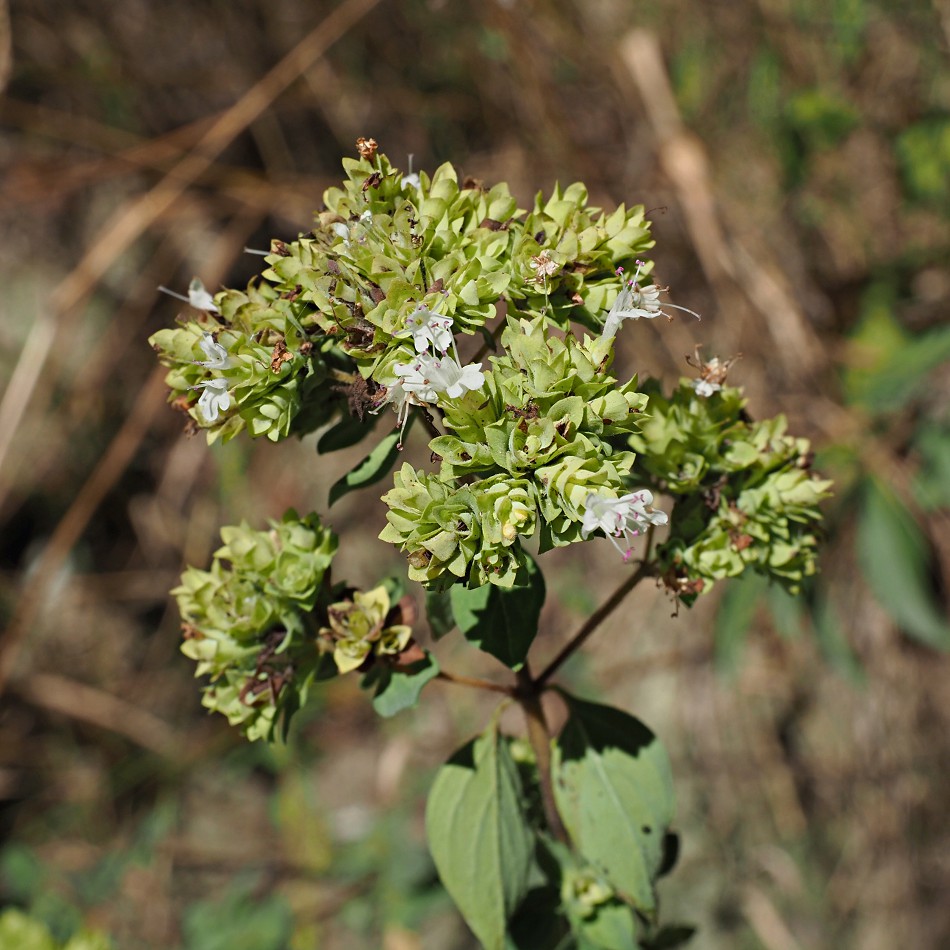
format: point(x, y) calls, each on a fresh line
point(712, 373)
point(217, 355)
point(428, 327)
point(412, 178)
point(400, 400)
point(427, 376)
point(198, 297)
point(352, 229)
point(705, 387)
point(214, 399)
point(624, 517)
point(634, 302)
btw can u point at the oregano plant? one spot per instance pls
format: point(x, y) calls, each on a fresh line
point(441, 304)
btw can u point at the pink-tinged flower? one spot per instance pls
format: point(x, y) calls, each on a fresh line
point(634, 302)
point(214, 399)
point(625, 517)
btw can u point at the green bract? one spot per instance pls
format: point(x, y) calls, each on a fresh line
point(247, 619)
point(745, 497)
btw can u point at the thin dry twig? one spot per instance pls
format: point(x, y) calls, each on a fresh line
point(85, 703)
point(724, 262)
point(74, 522)
point(135, 217)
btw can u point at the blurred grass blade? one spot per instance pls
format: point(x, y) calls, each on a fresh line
point(733, 619)
point(896, 561)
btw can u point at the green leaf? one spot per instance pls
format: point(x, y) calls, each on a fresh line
point(439, 613)
point(733, 619)
point(673, 936)
point(375, 467)
point(501, 622)
point(399, 689)
point(241, 921)
point(896, 561)
point(832, 641)
point(932, 485)
point(614, 792)
point(888, 366)
point(479, 835)
point(348, 431)
point(610, 927)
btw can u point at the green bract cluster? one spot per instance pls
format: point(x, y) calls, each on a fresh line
point(744, 494)
point(525, 451)
point(247, 621)
point(532, 439)
point(327, 322)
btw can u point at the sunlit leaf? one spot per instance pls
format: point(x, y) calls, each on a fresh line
point(399, 689)
point(614, 792)
point(479, 836)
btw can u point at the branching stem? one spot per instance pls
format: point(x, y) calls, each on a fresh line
point(474, 682)
point(597, 618)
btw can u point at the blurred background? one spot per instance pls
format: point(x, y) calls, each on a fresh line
point(795, 158)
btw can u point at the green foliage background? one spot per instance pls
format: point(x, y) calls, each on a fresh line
point(809, 744)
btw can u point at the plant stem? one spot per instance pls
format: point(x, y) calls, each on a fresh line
point(473, 682)
point(528, 696)
point(593, 622)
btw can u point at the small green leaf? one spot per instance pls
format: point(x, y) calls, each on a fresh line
point(348, 431)
point(501, 622)
point(439, 613)
point(733, 619)
point(375, 467)
point(895, 558)
point(479, 835)
point(614, 792)
point(399, 689)
point(239, 921)
point(610, 927)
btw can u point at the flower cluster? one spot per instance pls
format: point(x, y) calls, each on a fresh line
point(247, 623)
point(533, 438)
point(745, 496)
point(363, 309)
point(362, 626)
point(537, 446)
